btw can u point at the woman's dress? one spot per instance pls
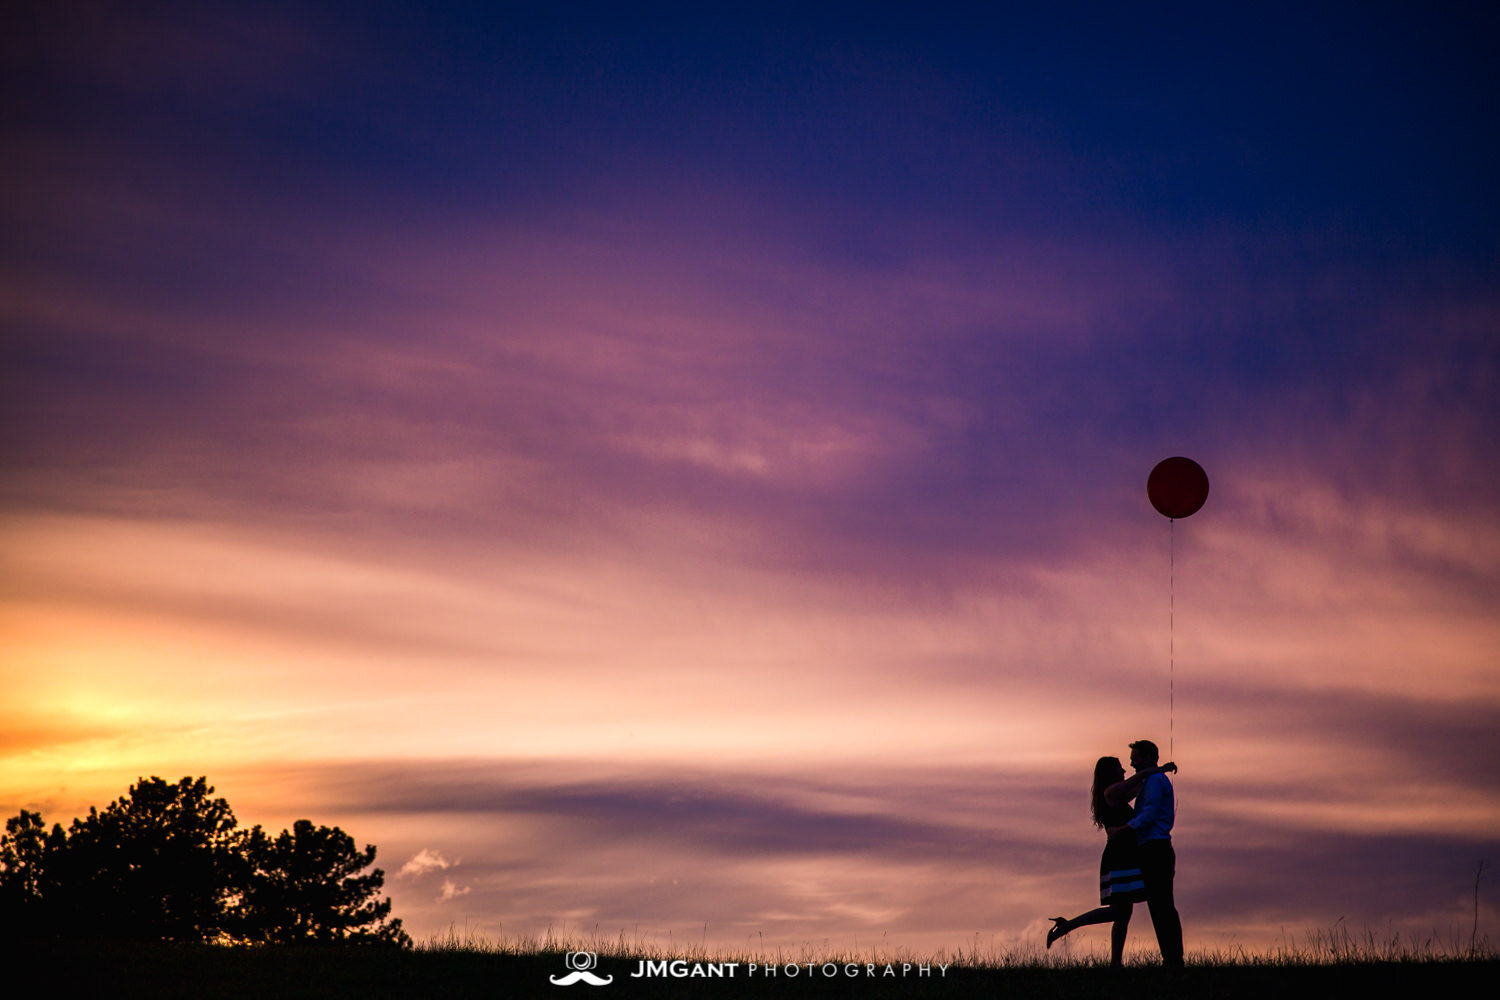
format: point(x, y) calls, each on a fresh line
point(1120, 868)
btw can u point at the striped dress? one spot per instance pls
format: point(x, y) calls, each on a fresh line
point(1120, 867)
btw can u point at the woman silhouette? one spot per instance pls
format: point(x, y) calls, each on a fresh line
point(1120, 882)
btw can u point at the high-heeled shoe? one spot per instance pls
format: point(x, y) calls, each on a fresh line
point(1059, 928)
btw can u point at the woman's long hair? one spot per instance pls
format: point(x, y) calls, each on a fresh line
point(1107, 772)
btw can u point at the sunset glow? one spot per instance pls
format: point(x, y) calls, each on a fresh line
point(647, 477)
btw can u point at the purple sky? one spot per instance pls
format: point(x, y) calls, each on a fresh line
point(678, 468)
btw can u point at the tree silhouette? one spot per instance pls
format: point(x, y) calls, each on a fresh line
point(159, 864)
point(304, 887)
point(167, 863)
point(23, 874)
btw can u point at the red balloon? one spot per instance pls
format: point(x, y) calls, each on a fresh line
point(1177, 487)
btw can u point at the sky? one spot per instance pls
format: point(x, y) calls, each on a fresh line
point(679, 470)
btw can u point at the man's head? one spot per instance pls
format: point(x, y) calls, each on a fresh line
point(1143, 754)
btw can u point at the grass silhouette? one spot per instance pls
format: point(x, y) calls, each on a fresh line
point(1334, 945)
point(463, 963)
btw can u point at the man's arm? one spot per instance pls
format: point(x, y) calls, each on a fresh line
point(1124, 791)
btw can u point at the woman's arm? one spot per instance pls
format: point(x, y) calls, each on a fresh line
point(1123, 791)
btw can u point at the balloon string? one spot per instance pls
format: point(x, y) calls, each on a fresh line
point(1171, 638)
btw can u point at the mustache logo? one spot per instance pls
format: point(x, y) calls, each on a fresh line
point(581, 962)
point(581, 977)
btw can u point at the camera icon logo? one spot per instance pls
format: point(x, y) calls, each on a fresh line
point(581, 964)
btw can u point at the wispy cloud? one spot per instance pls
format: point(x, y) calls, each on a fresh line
point(425, 861)
point(452, 891)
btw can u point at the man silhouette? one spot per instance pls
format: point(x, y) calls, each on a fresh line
point(1152, 825)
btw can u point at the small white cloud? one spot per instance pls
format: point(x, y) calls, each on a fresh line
point(450, 890)
point(425, 861)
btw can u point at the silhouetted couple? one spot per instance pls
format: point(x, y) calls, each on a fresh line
point(1138, 862)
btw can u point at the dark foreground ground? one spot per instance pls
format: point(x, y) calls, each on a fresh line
point(165, 971)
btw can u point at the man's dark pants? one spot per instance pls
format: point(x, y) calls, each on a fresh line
point(1158, 868)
